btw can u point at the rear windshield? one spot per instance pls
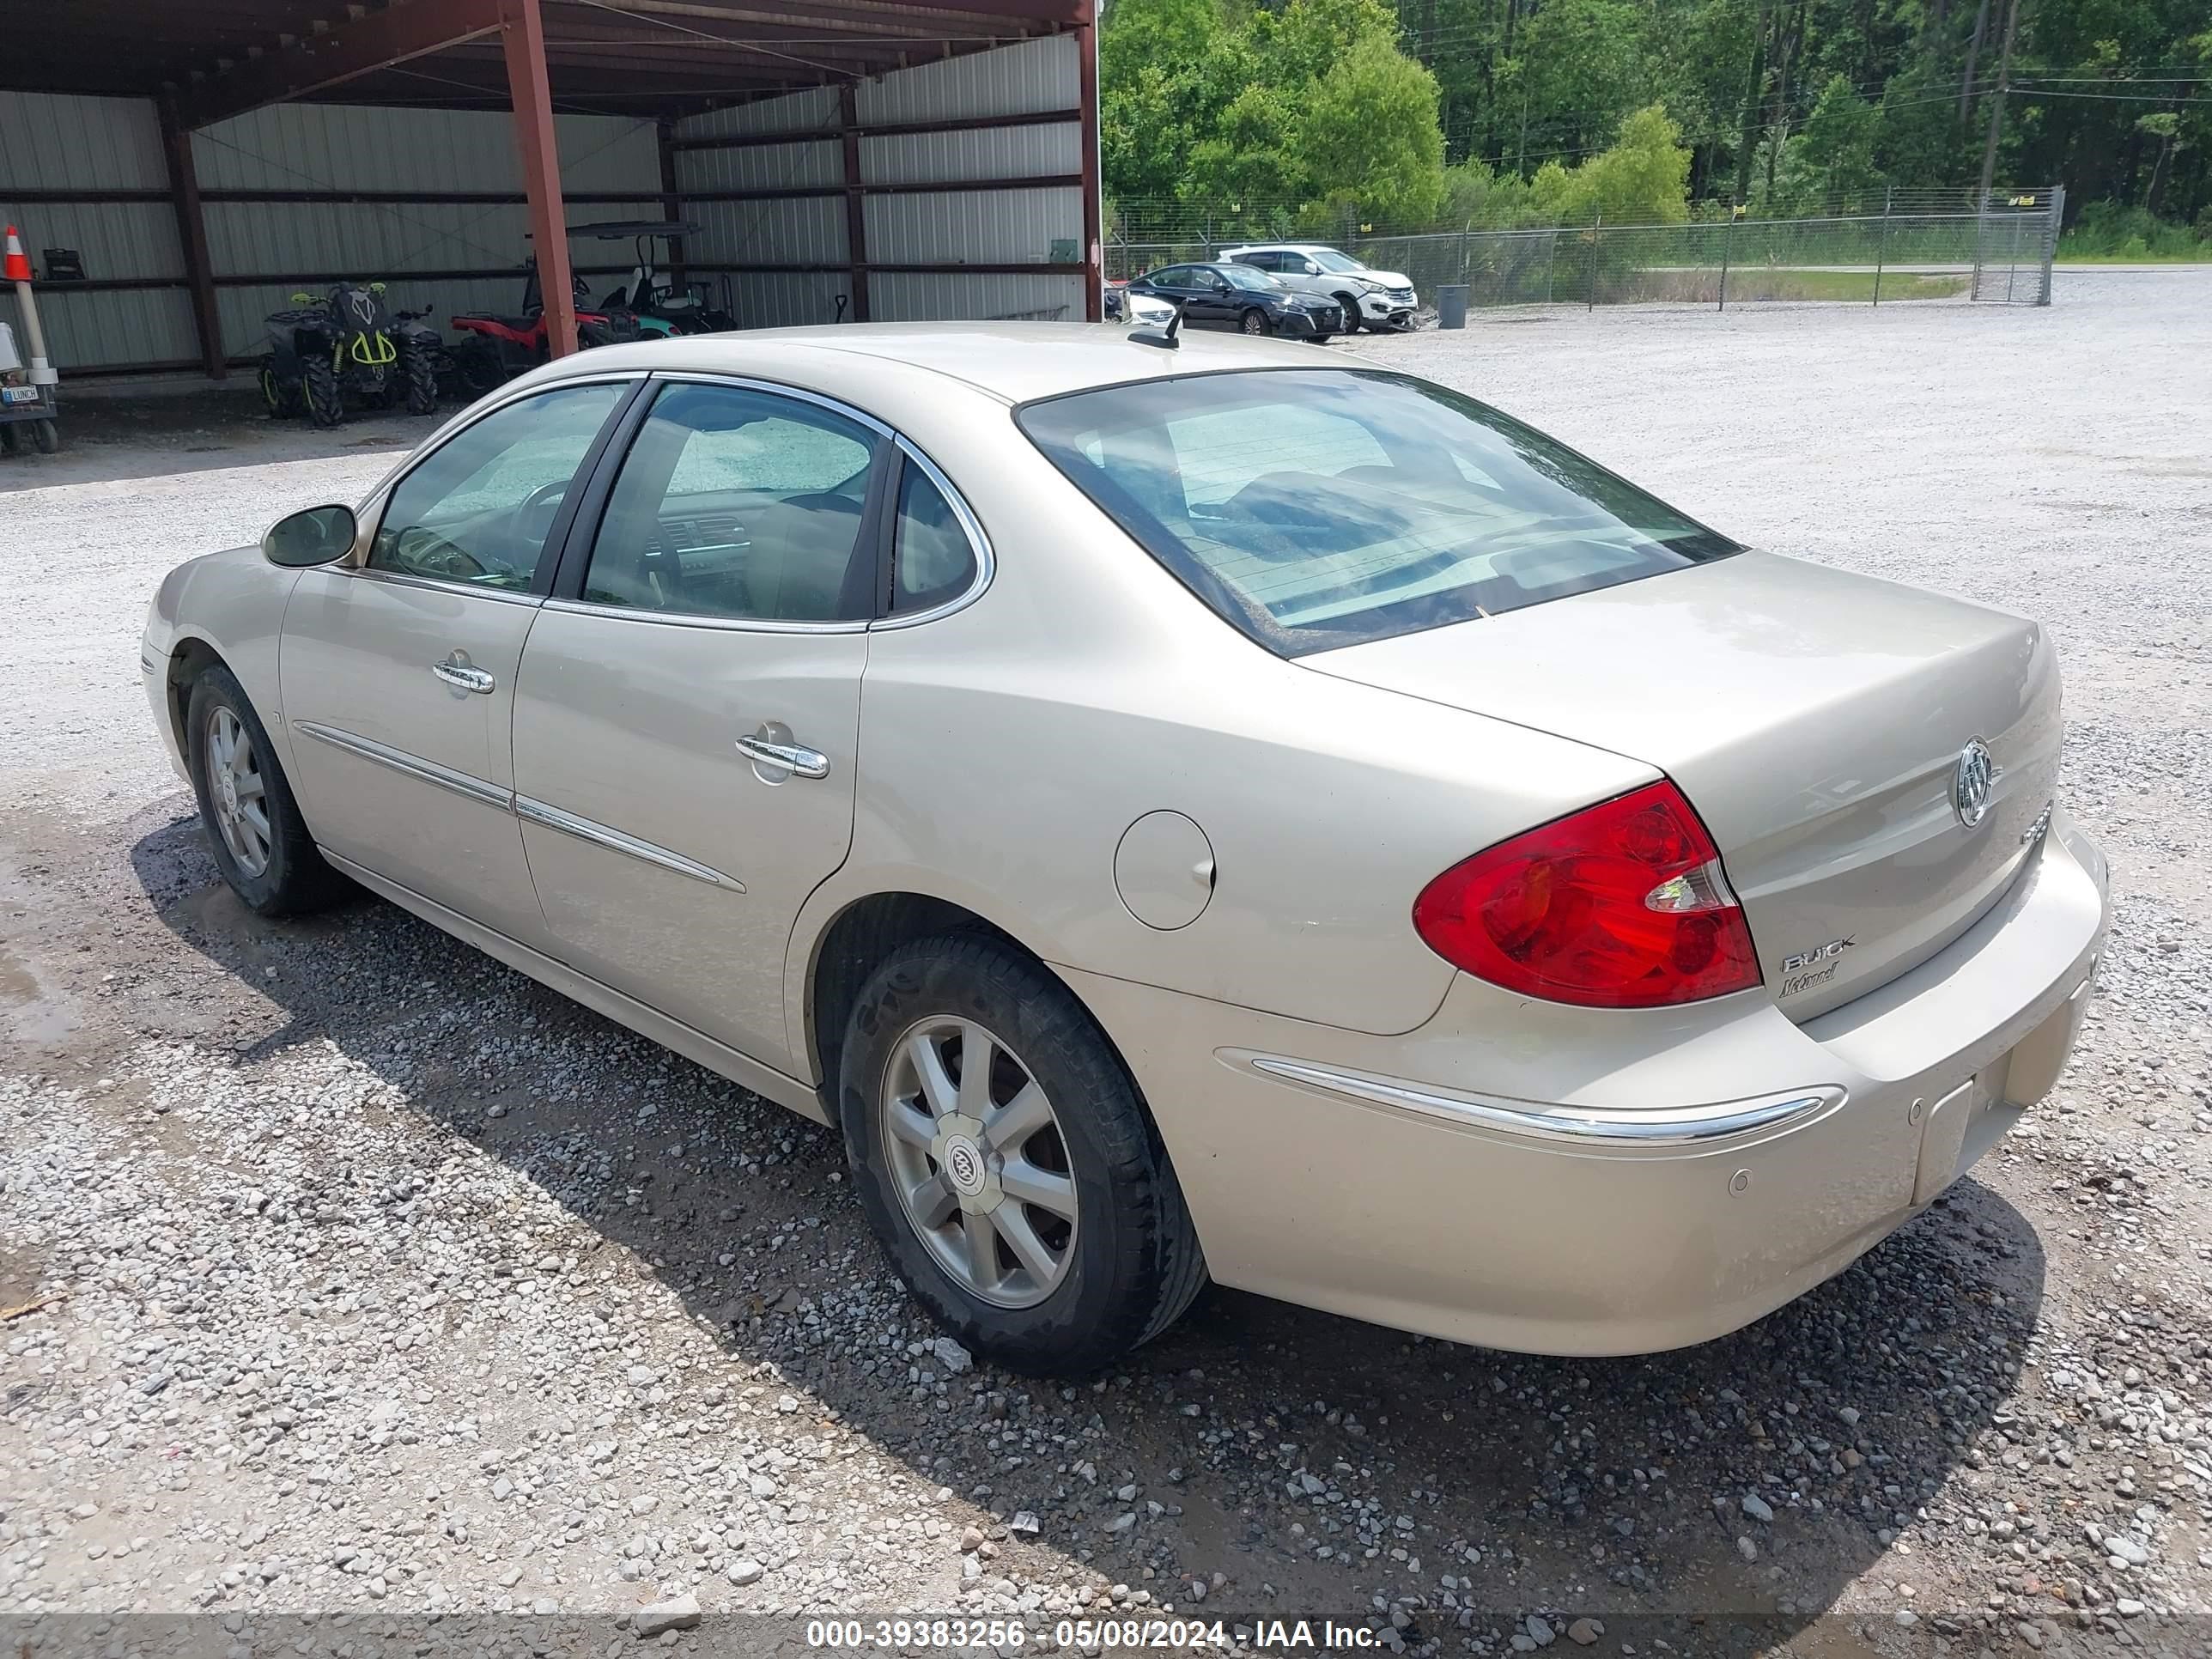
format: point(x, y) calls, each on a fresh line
point(1324, 507)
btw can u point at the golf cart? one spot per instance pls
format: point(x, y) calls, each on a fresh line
point(661, 307)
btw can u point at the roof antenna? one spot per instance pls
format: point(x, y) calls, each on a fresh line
point(1164, 338)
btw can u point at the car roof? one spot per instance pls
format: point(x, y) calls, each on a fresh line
point(1010, 361)
point(1282, 247)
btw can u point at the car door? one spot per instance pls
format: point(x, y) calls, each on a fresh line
point(398, 675)
point(687, 721)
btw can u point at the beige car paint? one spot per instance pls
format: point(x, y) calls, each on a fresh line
point(657, 705)
point(1003, 750)
point(360, 649)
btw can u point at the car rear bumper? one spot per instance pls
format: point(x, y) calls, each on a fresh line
point(1687, 1174)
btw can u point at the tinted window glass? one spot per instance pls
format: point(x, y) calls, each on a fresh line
point(1244, 276)
point(1319, 508)
point(737, 503)
point(480, 509)
point(933, 560)
point(1172, 277)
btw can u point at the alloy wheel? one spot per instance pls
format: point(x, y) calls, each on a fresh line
point(237, 793)
point(978, 1162)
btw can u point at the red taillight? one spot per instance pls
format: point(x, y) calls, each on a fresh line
point(1621, 905)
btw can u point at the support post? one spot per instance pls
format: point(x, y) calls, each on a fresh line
point(672, 202)
point(192, 238)
point(1094, 267)
point(1881, 239)
point(1998, 103)
point(856, 207)
point(1590, 275)
point(522, 33)
point(1728, 241)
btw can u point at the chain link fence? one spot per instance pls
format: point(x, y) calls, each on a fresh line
point(1999, 253)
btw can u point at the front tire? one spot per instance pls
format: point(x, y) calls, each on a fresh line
point(318, 391)
point(1352, 317)
point(1027, 1202)
point(1254, 321)
point(260, 842)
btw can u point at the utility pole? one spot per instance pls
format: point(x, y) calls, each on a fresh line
point(1997, 107)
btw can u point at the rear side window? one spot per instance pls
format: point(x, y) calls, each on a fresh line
point(738, 504)
point(932, 560)
point(1318, 508)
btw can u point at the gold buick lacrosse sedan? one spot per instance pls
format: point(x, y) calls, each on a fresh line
point(1181, 811)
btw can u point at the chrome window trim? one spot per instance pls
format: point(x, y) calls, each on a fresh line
point(599, 834)
point(978, 543)
point(357, 561)
point(687, 619)
point(1592, 1128)
point(413, 766)
point(408, 578)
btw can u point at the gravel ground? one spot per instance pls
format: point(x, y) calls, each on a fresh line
point(359, 1292)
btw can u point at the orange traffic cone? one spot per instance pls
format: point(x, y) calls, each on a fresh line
point(17, 268)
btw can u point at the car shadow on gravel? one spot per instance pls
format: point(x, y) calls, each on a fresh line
point(1720, 1498)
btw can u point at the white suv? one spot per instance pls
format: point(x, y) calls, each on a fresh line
point(1377, 299)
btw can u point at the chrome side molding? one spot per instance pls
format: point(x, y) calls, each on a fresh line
point(583, 829)
point(461, 783)
point(1585, 1126)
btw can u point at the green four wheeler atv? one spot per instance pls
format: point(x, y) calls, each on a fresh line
point(347, 346)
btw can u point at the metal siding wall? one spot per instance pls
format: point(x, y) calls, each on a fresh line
point(1016, 80)
point(49, 142)
point(52, 142)
point(901, 297)
point(1002, 227)
point(812, 110)
point(356, 147)
point(978, 227)
point(796, 165)
point(923, 158)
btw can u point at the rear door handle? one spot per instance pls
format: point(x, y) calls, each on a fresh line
point(458, 672)
point(794, 757)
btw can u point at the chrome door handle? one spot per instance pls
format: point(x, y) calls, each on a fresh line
point(457, 671)
point(794, 757)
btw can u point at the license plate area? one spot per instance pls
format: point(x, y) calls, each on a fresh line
point(19, 394)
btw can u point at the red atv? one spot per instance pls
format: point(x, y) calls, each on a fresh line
point(494, 348)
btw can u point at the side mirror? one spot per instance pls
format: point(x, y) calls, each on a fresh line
point(318, 536)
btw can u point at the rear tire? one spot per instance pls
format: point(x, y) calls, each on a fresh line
point(318, 391)
point(1109, 1215)
point(271, 863)
point(46, 437)
point(421, 380)
point(9, 443)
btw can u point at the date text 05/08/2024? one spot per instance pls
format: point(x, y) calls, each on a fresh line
point(1113, 1635)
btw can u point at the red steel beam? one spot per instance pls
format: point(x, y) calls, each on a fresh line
point(191, 237)
point(856, 211)
point(522, 29)
point(1094, 234)
point(353, 46)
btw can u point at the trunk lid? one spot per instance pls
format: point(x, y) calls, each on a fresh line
point(1816, 719)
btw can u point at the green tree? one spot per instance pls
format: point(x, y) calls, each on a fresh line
point(1367, 134)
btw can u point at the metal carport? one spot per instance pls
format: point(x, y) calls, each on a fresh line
point(916, 160)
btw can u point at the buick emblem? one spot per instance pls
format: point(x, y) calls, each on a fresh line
point(1971, 779)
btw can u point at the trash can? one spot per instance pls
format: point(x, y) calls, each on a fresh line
point(1451, 304)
